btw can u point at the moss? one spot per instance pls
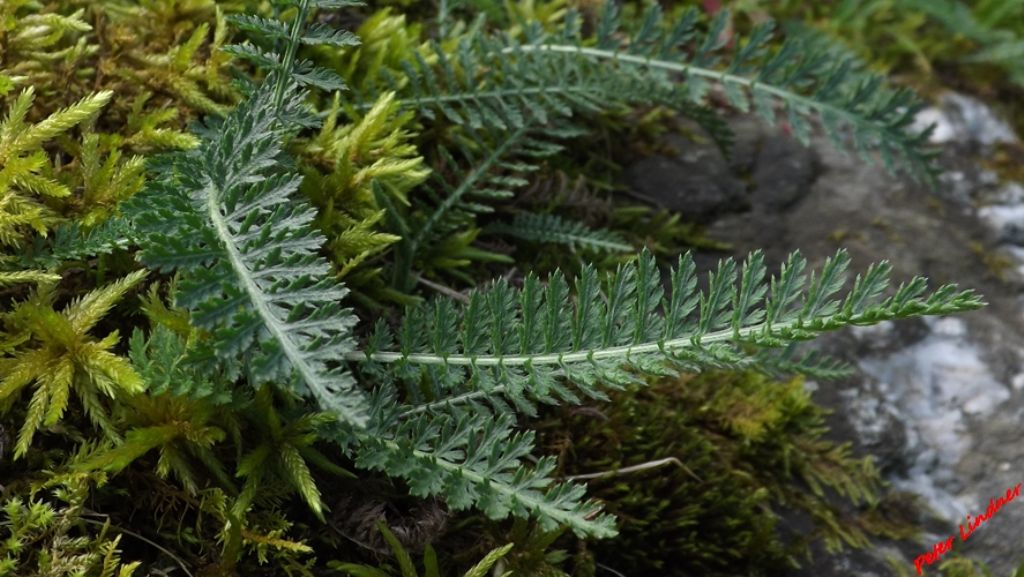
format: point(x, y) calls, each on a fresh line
point(956, 566)
point(168, 50)
point(998, 265)
point(1007, 160)
point(747, 452)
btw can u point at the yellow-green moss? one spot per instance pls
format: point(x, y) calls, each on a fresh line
point(748, 450)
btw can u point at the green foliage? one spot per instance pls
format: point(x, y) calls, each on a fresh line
point(808, 78)
point(269, 34)
point(60, 53)
point(499, 82)
point(179, 429)
point(739, 450)
point(162, 362)
point(187, 417)
point(58, 356)
point(549, 228)
point(533, 553)
point(104, 184)
point(972, 45)
point(502, 106)
point(373, 154)
point(386, 40)
point(131, 47)
point(27, 173)
point(224, 216)
point(493, 165)
point(475, 459)
point(283, 450)
point(47, 537)
point(30, 41)
point(175, 416)
point(515, 345)
point(988, 25)
point(147, 131)
point(408, 569)
point(223, 406)
point(254, 277)
point(26, 276)
point(71, 242)
point(466, 368)
point(197, 84)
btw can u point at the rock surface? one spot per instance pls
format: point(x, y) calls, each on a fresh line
point(698, 182)
point(939, 402)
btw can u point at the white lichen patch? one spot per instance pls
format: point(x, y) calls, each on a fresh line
point(934, 387)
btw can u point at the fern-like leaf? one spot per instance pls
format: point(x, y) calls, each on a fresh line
point(474, 459)
point(493, 82)
point(270, 33)
point(480, 86)
point(161, 361)
point(550, 228)
point(225, 217)
point(512, 347)
point(72, 242)
point(493, 165)
point(807, 78)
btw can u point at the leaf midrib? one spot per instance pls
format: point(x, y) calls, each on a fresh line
point(261, 305)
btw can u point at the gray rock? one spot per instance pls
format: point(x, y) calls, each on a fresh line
point(959, 118)
point(859, 563)
point(749, 132)
point(783, 173)
point(1007, 220)
point(880, 427)
point(702, 184)
point(697, 183)
point(940, 403)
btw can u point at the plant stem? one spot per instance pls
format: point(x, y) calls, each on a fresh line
point(289, 55)
point(442, 18)
point(624, 351)
point(635, 469)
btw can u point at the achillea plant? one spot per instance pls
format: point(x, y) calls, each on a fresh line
point(436, 399)
point(260, 374)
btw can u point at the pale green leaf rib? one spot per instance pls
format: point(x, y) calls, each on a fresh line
point(690, 340)
point(726, 316)
point(690, 69)
point(261, 303)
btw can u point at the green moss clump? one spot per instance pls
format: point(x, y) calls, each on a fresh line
point(955, 566)
point(738, 452)
point(70, 48)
